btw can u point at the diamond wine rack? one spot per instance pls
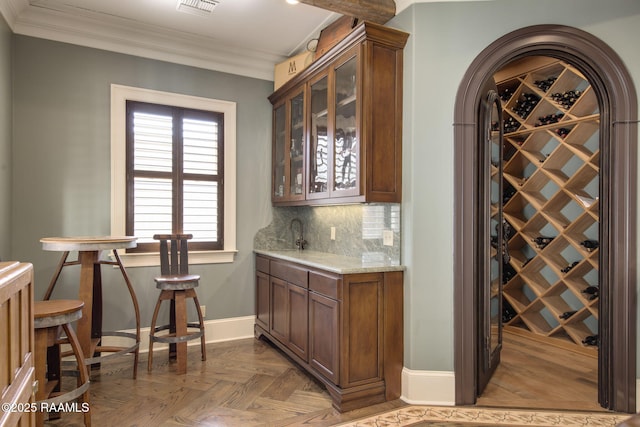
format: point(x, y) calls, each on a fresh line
point(551, 184)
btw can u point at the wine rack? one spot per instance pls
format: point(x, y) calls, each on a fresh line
point(550, 198)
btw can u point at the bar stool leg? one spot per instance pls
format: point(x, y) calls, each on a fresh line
point(203, 347)
point(136, 309)
point(170, 295)
point(82, 368)
point(181, 331)
point(152, 333)
point(54, 370)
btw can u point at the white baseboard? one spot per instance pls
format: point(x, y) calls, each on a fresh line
point(428, 387)
point(217, 330)
point(438, 388)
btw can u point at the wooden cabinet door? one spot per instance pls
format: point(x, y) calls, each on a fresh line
point(279, 327)
point(362, 329)
point(263, 297)
point(324, 348)
point(298, 310)
point(289, 316)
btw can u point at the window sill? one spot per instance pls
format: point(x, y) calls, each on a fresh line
point(152, 259)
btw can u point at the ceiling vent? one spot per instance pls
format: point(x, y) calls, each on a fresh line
point(197, 7)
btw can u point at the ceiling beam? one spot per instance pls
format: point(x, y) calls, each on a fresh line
point(378, 11)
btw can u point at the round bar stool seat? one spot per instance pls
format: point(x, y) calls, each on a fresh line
point(178, 282)
point(50, 317)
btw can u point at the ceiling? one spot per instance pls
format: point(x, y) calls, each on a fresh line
point(245, 37)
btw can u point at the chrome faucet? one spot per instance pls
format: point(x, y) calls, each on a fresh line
point(300, 242)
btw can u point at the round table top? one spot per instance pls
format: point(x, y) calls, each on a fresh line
point(88, 243)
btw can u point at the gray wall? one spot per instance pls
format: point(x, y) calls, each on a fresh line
point(445, 38)
point(61, 165)
point(5, 140)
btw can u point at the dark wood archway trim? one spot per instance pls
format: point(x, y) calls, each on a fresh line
point(618, 193)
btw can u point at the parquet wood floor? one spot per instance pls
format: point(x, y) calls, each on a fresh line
point(250, 383)
point(242, 383)
point(538, 376)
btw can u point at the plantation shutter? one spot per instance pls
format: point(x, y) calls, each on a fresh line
point(174, 174)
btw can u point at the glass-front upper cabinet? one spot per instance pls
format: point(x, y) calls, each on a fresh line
point(296, 152)
point(345, 104)
point(279, 137)
point(289, 149)
point(319, 149)
point(334, 153)
point(346, 151)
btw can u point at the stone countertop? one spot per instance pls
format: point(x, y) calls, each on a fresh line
point(334, 263)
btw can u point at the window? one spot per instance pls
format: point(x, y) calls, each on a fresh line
point(173, 170)
point(174, 174)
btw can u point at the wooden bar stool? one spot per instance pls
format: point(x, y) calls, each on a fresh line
point(50, 317)
point(176, 285)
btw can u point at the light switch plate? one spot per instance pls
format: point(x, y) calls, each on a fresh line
point(387, 238)
point(333, 233)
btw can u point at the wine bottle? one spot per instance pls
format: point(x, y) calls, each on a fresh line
point(549, 119)
point(593, 340)
point(590, 245)
point(507, 193)
point(593, 292)
point(541, 241)
point(508, 273)
point(545, 84)
point(508, 312)
point(569, 267)
point(525, 104)
point(510, 125)
point(567, 314)
point(506, 94)
point(566, 99)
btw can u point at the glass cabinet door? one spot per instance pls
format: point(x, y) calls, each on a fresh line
point(319, 139)
point(279, 137)
point(288, 149)
point(296, 150)
point(346, 149)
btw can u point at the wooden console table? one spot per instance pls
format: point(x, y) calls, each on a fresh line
point(16, 343)
point(89, 328)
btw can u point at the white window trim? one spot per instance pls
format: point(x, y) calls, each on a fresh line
point(119, 96)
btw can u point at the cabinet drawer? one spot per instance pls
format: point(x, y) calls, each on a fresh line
point(323, 284)
point(262, 264)
point(290, 273)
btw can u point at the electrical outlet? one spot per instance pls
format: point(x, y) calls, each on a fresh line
point(203, 309)
point(333, 233)
point(387, 238)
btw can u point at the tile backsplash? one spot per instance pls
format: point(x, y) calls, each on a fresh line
point(358, 230)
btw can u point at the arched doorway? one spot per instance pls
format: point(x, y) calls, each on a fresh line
point(618, 139)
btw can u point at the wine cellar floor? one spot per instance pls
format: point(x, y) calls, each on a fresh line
point(534, 375)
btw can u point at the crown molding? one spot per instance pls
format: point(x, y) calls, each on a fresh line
point(135, 38)
point(10, 9)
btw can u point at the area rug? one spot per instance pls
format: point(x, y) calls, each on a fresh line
point(468, 416)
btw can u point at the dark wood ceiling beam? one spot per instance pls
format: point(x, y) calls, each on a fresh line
point(378, 11)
